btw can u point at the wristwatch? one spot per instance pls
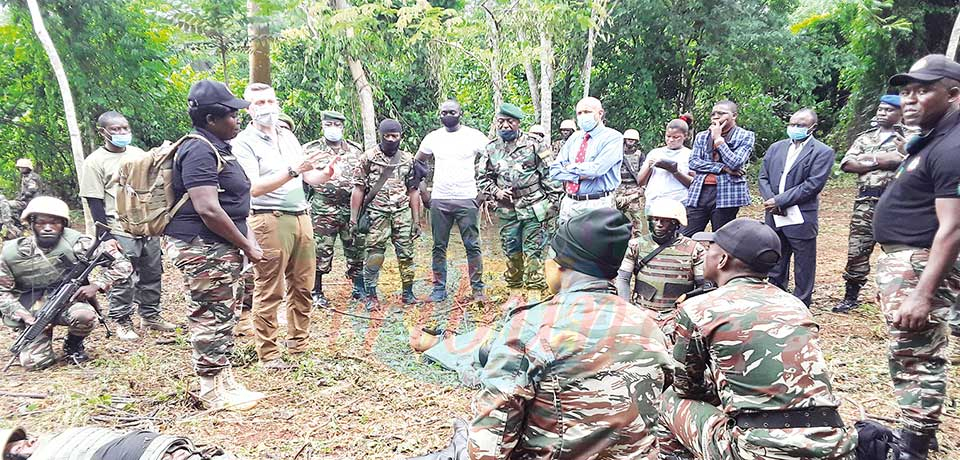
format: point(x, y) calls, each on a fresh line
point(292, 172)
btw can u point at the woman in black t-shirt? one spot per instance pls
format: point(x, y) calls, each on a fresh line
point(206, 237)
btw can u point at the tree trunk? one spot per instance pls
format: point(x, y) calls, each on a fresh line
point(496, 73)
point(223, 62)
point(546, 81)
point(588, 60)
point(70, 112)
point(954, 39)
point(532, 80)
point(368, 116)
point(259, 33)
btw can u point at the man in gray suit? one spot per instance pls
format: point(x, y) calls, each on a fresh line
point(793, 174)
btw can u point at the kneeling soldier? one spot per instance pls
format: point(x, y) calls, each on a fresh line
point(752, 381)
point(31, 267)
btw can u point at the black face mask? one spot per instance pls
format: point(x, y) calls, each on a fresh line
point(389, 148)
point(450, 120)
point(508, 134)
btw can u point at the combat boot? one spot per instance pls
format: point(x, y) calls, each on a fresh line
point(319, 299)
point(850, 298)
point(358, 288)
point(124, 331)
point(73, 350)
point(214, 396)
point(913, 446)
point(408, 297)
point(157, 323)
point(438, 295)
point(231, 385)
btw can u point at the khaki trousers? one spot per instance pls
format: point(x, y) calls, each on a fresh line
point(286, 273)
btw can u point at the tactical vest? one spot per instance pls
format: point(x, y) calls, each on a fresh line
point(670, 274)
point(86, 444)
point(33, 272)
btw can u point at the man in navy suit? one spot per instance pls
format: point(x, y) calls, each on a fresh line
point(793, 174)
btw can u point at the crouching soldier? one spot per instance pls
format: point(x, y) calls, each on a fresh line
point(32, 267)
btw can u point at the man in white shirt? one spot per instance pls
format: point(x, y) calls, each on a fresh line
point(666, 171)
point(454, 197)
point(274, 162)
point(794, 172)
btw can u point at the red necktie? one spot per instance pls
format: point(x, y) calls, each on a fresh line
point(573, 187)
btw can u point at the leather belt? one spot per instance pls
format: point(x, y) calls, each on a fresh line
point(278, 212)
point(589, 196)
point(791, 418)
point(870, 192)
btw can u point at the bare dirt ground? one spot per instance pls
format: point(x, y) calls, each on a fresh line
point(361, 393)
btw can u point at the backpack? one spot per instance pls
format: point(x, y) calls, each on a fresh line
point(145, 196)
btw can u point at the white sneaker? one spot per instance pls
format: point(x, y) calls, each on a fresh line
point(125, 332)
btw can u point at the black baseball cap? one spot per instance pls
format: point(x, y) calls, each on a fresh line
point(751, 241)
point(208, 92)
point(929, 68)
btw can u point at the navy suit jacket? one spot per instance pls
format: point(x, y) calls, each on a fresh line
point(804, 182)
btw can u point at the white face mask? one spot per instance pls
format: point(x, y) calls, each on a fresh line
point(267, 115)
point(333, 133)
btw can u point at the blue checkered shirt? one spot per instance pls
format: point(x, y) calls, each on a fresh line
point(734, 154)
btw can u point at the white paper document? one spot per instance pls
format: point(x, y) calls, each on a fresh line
point(792, 216)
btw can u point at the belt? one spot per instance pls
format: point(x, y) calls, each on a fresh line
point(589, 196)
point(278, 212)
point(891, 248)
point(791, 418)
point(871, 192)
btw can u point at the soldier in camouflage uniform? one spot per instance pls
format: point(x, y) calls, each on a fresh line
point(8, 227)
point(33, 266)
point(29, 185)
point(578, 375)
point(567, 127)
point(394, 211)
point(330, 205)
point(752, 383)
point(874, 157)
point(511, 171)
point(671, 272)
point(629, 195)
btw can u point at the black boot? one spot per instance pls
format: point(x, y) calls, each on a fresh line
point(358, 288)
point(850, 298)
point(319, 299)
point(914, 446)
point(73, 350)
point(408, 297)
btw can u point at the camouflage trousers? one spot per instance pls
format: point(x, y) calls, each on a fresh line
point(630, 201)
point(691, 426)
point(523, 244)
point(243, 291)
point(79, 319)
point(143, 288)
point(918, 359)
point(210, 271)
point(861, 243)
point(395, 227)
point(327, 227)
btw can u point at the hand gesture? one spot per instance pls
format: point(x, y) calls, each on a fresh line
point(716, 131)
point(771, 207)
point(88, 292)
point(913, 313)
point(253, 252)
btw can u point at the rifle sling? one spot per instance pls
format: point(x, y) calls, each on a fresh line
point(372, 193)
point(643, 262)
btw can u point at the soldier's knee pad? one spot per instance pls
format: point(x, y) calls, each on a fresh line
point(374, 260)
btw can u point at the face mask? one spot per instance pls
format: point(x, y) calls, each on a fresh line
point(450, 120)
point(267, 116)
point(507, 134)
point(121, 140)
point(389, 148)
point(587, 122)
point(333, 133)
point(797, 133)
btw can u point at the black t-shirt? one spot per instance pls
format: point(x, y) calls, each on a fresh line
point(906, 213)
point(195, 166)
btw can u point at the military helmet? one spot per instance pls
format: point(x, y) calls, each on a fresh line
point(537, 129)
point(668, 209)
point(631, 134)
point(46, 205)
point(568, 124)
point(8, 436)
point(25, 163)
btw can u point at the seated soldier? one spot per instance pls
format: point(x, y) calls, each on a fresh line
point(577, 375)
point(32, 267)
point(664, 263)
point(93, 443)
point(752, 382)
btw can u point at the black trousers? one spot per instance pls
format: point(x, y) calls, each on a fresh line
point(707, 211)
point(804, 253)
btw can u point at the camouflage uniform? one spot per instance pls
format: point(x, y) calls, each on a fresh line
point(870, 187)
point(526, 215)
point(389, 211)
point(554, 150)
point(8, 226)
point(330, 207)
point(577, 376)
point(29, 188)
point(26, 268)
point(629, 195)
point(675, 271)
point(750, 347)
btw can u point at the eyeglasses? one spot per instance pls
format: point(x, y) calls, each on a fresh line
point(719, 113)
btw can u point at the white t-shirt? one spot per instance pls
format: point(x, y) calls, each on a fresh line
point(454, 155)
point(662, 184)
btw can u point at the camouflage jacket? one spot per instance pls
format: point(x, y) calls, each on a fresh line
point(865, 147)
point(28, 250)
point(631, 165)
point(392, 197)
point(673, 272)
point(8, 228)
point(555, 149)
point(577, 376)
point(518, 169)
point(334, 195)
point(29, 186)
point(752, 345)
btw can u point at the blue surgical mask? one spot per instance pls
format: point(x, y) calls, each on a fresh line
point(121, 140)
point(507, 134)
point(333, 133)
point(797, 133)
point(587, 122)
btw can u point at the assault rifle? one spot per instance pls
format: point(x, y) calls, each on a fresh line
point(62, 298)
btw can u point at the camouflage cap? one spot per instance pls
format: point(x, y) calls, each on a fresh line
point(332, 115)
point(510, 110)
